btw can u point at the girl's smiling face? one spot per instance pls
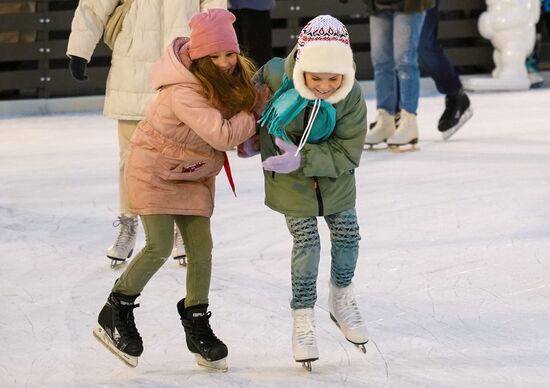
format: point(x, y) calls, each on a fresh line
point(323, 85)
point(225, 60)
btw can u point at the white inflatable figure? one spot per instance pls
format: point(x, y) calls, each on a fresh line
point(510, 26)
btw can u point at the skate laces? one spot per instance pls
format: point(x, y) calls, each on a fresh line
point(304, 327)
point(127, 230)
point(200, 327)
point(348, 310)
point(128, 325)
point(452, 104)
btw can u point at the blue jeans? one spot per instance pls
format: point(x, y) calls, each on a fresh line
point(306, 253)
point(432, 57)
point(394, 44)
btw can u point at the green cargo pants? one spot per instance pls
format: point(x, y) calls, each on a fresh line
point(159, 240)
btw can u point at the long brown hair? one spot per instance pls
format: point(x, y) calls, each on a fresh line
point(230, 92)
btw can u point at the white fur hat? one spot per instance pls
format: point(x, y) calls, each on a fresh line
point(323, 47)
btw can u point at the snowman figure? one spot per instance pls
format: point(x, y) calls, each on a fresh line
point(510, 26)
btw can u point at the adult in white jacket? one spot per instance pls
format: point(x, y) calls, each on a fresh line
point(149, 26)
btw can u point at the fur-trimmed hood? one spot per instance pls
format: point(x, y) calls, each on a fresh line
point(295, 72)
point(323, 47)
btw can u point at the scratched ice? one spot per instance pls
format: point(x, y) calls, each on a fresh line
point(453, 276)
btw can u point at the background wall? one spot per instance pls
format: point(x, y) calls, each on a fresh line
point(33, 40)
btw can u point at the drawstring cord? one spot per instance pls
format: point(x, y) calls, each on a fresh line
point(309, 126)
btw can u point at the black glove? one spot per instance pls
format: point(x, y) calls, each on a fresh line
point(77, 66)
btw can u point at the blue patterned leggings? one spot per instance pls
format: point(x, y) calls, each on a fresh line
point(306, 249)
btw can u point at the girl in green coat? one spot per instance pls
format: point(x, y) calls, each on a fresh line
point(311, 137)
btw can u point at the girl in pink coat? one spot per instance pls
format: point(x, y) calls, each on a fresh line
point(206, 104)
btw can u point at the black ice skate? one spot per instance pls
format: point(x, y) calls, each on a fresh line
point(209, 351)
point(457, 112)
point(116, 329)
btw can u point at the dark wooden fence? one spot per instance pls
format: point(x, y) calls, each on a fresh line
point(36, 67)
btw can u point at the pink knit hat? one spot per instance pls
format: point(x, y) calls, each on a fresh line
point(212, 31)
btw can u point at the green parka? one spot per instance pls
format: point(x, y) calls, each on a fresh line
point(325, 182)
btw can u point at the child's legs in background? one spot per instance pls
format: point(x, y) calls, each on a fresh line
point(126, 129)
point(344, 237)
point(406, 35)
point(197, 238)
point(306, 251)
point(159, 239)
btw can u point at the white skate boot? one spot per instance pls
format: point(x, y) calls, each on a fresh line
point(382, 130)
point(406, 133)
point(178, 252)
point(123, 247)
point(304, 341)
point(344, 312)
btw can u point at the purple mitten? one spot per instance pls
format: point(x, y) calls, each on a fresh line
point(250, 147)
point(287, 162)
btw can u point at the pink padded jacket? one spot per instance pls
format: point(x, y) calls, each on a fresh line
point(177, 149)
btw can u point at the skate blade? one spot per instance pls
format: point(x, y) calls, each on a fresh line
point(307, 363)
point(117, 261)
point(467, 115)
point(218, 365)
point(102, 337)
point(359, 345)
point(372, 148)
point(181, 260)
point(399, 148)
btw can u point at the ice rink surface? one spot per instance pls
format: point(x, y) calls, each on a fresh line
point(453, 276)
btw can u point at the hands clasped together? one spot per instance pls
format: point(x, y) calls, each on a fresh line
point(285, 163)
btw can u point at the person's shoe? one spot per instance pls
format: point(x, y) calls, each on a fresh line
point(123, 246)
point(178, 252)
point(406, 133)
point(457, 112)
point(535, 79)
point(304, 340)
point(208, 349)
point(531, 63)
point(117, 330)
point(382, 130)
point(344, 311)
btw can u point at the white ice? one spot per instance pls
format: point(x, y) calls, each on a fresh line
point(453, 276)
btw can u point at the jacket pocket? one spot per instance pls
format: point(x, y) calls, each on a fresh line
point(192, 168)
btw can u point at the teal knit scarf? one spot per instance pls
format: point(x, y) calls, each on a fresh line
point(287, 103)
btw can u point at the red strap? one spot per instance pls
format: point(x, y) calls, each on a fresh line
point(227, 169)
